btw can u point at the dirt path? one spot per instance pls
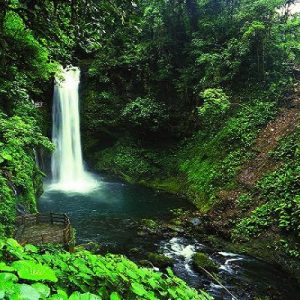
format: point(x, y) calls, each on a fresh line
point(267, 140)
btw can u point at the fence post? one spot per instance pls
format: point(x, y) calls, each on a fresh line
point(51, 218)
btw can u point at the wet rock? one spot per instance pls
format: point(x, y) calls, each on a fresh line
point(160, 260)
point(21, 209)
point(149, 223)
point(175, 228)
point(142, 233)
point(202, 262)
point(195, 221)
point(145, 263)
point(134, 251)
point(91, 246)
point(150, 226)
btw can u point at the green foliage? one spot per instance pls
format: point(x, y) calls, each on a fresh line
point(244, 201)
point(19, 171)
point(280, 192)
point(260, 219)
point(145, 114)
point(244, 127)
point(82, 275)
point(212, 162)
point(169, 51)
point(107, 114)
point(31, 271)
point(290, 250)
point(24, 68)
point(26, 49)
point(202, 261)
point(134, 162)
point(216, 104)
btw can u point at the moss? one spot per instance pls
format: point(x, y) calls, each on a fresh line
point(201, 262)
point(265, 244)
point(159, 260)
point(149, 223)
point(145, 263)
point(169, 184)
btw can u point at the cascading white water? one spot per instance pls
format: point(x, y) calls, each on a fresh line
point(67, 167)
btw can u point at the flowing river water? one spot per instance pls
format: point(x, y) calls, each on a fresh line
point(111, 214)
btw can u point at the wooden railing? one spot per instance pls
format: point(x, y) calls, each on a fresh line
point(51, 218)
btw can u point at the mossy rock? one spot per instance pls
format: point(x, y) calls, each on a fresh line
point(149, 223)
point(159, 260)
point(145, 263)
point(201, 262)
point(91, 246)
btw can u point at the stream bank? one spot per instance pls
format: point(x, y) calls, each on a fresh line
point(242, 177)
point(159, 230)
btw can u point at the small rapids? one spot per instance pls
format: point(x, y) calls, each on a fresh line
point(239, 276)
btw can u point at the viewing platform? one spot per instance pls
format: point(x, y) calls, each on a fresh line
point(44, 228)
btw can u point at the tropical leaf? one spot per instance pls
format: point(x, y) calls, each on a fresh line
point(25, 292)
point(5, 277)
point(43, 289)
point(86, 296)
point(33, 271)
point(138, 289)
point(30, 248)
point(4, 267)
point(115, 296)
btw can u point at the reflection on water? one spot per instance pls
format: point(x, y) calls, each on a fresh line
point(110, 214)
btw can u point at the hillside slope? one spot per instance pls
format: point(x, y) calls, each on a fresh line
point(243, 177)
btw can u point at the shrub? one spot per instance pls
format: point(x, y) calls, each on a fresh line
point(20, 179)
point(146, 114)
point(215, 104)
point(27, 274)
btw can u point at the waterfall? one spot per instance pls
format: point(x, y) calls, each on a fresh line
point(67, 167)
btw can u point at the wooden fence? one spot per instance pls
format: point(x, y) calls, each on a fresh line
point(26, 221)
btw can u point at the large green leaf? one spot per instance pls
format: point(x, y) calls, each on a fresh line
point(4, 153)
point(5, 277)
point(30, 248)
point(138, 289)
point(115, 296)
point(43, 289)
point(86, 296)
point(61, 295)
point(4, 267)
point(25, 292)
point(32, 271)
point(6, 286)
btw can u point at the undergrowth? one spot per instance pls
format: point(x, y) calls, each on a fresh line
point(26, 273)
point(280, 194)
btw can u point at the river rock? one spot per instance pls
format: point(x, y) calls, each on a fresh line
point(195, 221)
point(202, 262)
point(145, 263)
point(160, 260)
point(175, 228)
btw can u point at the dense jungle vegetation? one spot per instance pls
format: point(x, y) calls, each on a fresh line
point(196, 97)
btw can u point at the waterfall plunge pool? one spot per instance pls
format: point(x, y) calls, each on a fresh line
point(110, 215)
